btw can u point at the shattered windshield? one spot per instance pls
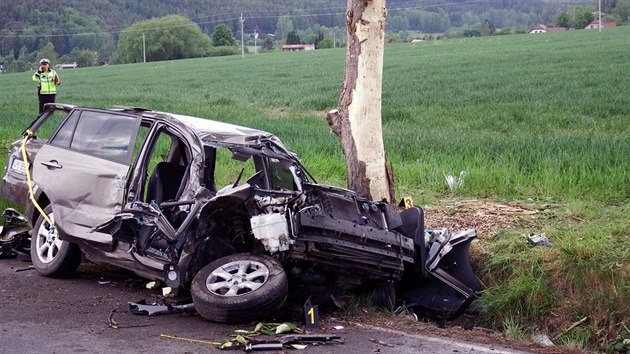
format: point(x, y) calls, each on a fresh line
point(227, 169)
point(280, 175)
point(238, 164)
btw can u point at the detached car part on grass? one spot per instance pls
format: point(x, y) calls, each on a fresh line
point(14, 234)
point(237, 248)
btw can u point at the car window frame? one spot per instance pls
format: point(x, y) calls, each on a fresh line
point(63, 123)
point(38, 122)
point(130, 145)
point(139, 167)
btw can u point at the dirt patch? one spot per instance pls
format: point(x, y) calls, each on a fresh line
point(487, 217)
point(278, 112)
point(283, 112)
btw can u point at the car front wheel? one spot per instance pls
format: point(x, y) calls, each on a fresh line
point(52, 256)
point(239, 288)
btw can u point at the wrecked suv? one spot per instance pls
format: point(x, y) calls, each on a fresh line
point(222, 210)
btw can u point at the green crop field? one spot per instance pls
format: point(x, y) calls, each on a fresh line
point(537, 118)
point(524, 115)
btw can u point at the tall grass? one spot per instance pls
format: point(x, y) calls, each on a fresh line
point(586, 273)
point(529, 117)
point(524, 115)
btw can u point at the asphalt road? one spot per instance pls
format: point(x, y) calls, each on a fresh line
point(44, 315)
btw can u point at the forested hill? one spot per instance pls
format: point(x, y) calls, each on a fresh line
point(66, 16)
point(27, 26)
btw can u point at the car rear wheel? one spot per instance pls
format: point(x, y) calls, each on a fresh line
point(239, 288)
point(52, 256)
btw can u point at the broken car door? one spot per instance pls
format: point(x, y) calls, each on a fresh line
point(83, 170)
point(154, 212)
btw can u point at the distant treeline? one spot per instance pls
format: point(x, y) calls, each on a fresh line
point(76, 26)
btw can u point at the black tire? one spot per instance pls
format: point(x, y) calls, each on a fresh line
point(384, 296)
point(51, 256)
point(221, 294)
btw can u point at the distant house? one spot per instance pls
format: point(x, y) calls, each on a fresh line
point(540, 28)
point(595, 24)
point(297, 47)
point(67, 66)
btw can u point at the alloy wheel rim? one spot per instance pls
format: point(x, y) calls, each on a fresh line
point(47, 243)
point(237, 278)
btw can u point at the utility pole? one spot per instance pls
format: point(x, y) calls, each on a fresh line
point(144, 48)
point(255, 39)
point(242, 38)
point(599, 12)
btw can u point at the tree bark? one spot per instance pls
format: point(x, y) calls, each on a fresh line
point(357, 120)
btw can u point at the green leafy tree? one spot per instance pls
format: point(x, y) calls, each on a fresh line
point(583, 18)
point(6, 41)
point(284, 26)
point(300, 19)
point(166, 38)
point(48, 52)
point(575, 17)
point(24, 55)
point(563, 20)
point(470, 19)
point(487, 28)
point(267, 44)
point(319, 38)
point(608, 5)
point(504, 31)
point(16, 67)
point(7, 59)
point(398, 23)
point(222, 36)
point(308, 38)
point(91, 28)
point(622, 11)
point(293, 38)
point(325, 43)
point(83, 57)
point(87, 58)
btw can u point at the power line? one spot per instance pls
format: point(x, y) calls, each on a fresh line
point(231, 19)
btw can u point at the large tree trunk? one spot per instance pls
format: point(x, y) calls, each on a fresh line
point(357, 120)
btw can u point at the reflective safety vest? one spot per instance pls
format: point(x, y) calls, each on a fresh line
point(47, 82)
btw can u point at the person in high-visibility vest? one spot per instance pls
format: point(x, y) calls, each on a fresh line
point(47, 82)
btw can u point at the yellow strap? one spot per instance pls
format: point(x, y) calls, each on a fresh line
point(27, 135)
